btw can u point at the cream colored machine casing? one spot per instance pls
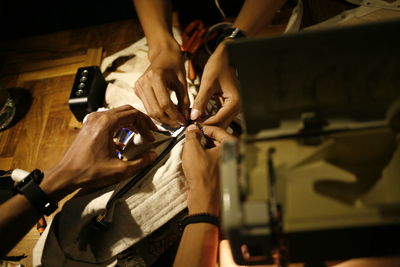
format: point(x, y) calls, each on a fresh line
point(320, 144)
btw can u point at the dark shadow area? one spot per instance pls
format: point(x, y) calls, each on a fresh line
point(18, 103)
point(365, 156)
point(21, 19)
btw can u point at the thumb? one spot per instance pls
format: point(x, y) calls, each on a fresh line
point(192, 144)
point(133, 166)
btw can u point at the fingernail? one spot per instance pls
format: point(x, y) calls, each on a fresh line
point(191, 127)
point(194, 114)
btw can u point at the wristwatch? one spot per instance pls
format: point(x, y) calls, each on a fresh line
point(230, 33)
point(29, 187)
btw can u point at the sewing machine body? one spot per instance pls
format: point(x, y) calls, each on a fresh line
point(315, 176)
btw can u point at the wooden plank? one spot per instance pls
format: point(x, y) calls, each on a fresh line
point(93, 57)
point(25, 246)
point(26, 65)
point(49, 73)
point(46, 64)
point(61, 67)
point(5, 163)
point(10, 138)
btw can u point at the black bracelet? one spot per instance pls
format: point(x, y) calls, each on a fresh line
point(198, 218)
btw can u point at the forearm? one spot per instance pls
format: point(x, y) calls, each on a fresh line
point(156, 19)
point(198, 246)
point(18, 216)
point(256, 14)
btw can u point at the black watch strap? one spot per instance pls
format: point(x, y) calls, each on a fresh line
point(29, 187)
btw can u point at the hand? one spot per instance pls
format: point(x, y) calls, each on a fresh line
point(166, 72)
point(91, 159)
point(218, 79)
point(200, 167)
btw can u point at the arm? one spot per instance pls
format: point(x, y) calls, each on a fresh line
point(256, 14)
point(156, 19)
point(89, 162)
point(166, 71)
point(218, 76)
point(199, 243)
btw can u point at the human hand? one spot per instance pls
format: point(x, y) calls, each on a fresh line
point(91, 159)
point(166, 72)
point(200, 167)
point(218, 79)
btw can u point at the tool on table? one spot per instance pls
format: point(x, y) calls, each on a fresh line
point(193, 37)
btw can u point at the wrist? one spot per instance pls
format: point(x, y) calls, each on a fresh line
point(229, 34)
point(203, 203)
point(162, 44)
point(57, 183)
point(30, 187)
point(202, 219)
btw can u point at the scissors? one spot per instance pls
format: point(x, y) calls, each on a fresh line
point(131, 151)
point(194, 36)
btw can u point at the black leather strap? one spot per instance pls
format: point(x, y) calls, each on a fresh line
point(29, 187)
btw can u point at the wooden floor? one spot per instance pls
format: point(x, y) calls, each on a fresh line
point(46, 65)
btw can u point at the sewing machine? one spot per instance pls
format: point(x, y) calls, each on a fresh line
point(315, 176)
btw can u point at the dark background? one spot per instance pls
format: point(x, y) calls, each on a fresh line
point(32, 17)
point(25, 18)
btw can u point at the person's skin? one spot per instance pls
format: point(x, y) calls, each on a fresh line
point(199, 243)
point(167, 72)
point(218, 77)
point(90, 162)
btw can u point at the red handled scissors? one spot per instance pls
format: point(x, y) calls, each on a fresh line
point(194, 36)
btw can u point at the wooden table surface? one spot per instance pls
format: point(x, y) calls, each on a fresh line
point(45, 65)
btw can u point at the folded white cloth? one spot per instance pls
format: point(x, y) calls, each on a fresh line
point(71, 239)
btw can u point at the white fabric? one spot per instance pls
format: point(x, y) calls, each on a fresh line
point(387, 4)
point(69, 240)
point(295, 19)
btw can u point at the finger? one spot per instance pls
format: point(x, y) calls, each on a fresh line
point(218, 134)
point(152, 106)
point(131, 118)
point(182, 96)
point(146, 105)
point(192, 145)
point(135, 165)
point(225, 114)
point(205, 92)
point(164, 100)
point(120, 109)
point(143, 128)
point(151, 124)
